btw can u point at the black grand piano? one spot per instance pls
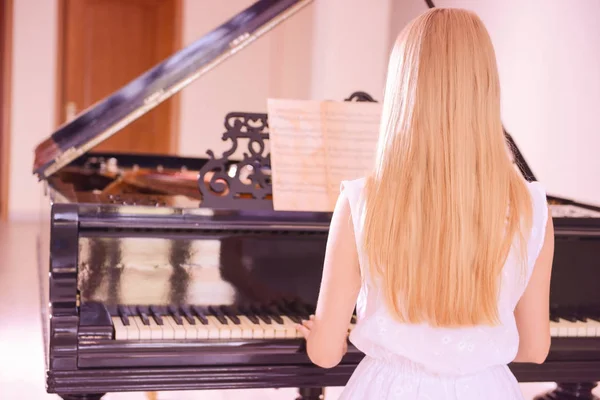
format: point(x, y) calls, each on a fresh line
point(170, 273)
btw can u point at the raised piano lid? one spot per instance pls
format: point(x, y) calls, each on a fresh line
point(147, 91)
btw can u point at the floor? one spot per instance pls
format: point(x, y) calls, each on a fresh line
point(21, 352)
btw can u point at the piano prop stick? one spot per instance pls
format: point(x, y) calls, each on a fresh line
point(317, 144)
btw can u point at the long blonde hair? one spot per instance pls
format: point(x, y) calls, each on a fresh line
point(444, 201)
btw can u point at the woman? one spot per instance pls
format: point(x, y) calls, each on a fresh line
point(444, 248)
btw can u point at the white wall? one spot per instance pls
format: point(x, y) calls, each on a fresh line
point(548, 57)
point(352, 48)
point(276, 65)
point(33, 98)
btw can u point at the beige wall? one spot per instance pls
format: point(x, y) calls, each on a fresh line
point(547, 56)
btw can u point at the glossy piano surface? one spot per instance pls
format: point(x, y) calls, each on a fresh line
point(221, 268)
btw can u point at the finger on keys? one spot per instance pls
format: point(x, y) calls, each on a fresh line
point(303, 330)
point(308, 324)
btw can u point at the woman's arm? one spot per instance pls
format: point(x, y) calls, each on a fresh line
point(533, 310)
point(327, 332)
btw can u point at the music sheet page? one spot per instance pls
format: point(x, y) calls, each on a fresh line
point(314, 145)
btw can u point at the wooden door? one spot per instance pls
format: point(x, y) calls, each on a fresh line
point(105, 45)
point(6, 11)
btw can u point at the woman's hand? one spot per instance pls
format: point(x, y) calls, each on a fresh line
point(306, 327)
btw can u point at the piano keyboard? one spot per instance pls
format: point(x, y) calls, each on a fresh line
point(259, 322)
point(574, 327)
point(212, 322)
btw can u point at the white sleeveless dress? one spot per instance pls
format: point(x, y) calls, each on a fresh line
point(419, 362)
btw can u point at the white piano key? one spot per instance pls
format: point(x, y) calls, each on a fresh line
point(156, 331)
point(133, 332)
point(563, 327)
point(256, 331)
point(205, 331)
point(235, 329)
point(120, 330)
point(246, 327)
point(267, 329)
point(554, 328)
point(145, 332)
point(593, 328)
point(280, 329)
point(191, 332)
point(290, 327)
point(179, 331)
point(214, 328)
point(581, 328)
point(168, 332)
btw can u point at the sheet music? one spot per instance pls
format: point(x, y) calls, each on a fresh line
point(315, 145)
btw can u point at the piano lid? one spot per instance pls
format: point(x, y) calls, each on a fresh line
point(113, 113)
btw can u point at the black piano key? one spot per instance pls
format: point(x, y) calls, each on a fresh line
point(300, 309)
point(592, 313)
point(200, 314)
point(568, 314)
point(156, 313)
point(579, 315)
point(218, 314)
point(142, 311)
point(257, 310)
point(283, 308)
point(232, 313)
point(123, 314)
point(245, 310)
point(274, 314)
point(174, 313)
point(187, 314)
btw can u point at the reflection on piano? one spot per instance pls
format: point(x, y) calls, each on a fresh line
point(170, 273)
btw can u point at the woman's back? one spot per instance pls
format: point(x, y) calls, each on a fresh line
point(437, 353)
point(449, 351)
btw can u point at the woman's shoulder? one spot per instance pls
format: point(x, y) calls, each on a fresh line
point(353, 184)
point(539, 200)
point(352, 190)
point(536, 188)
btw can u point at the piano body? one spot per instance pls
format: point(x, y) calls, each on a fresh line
point(170, 273)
